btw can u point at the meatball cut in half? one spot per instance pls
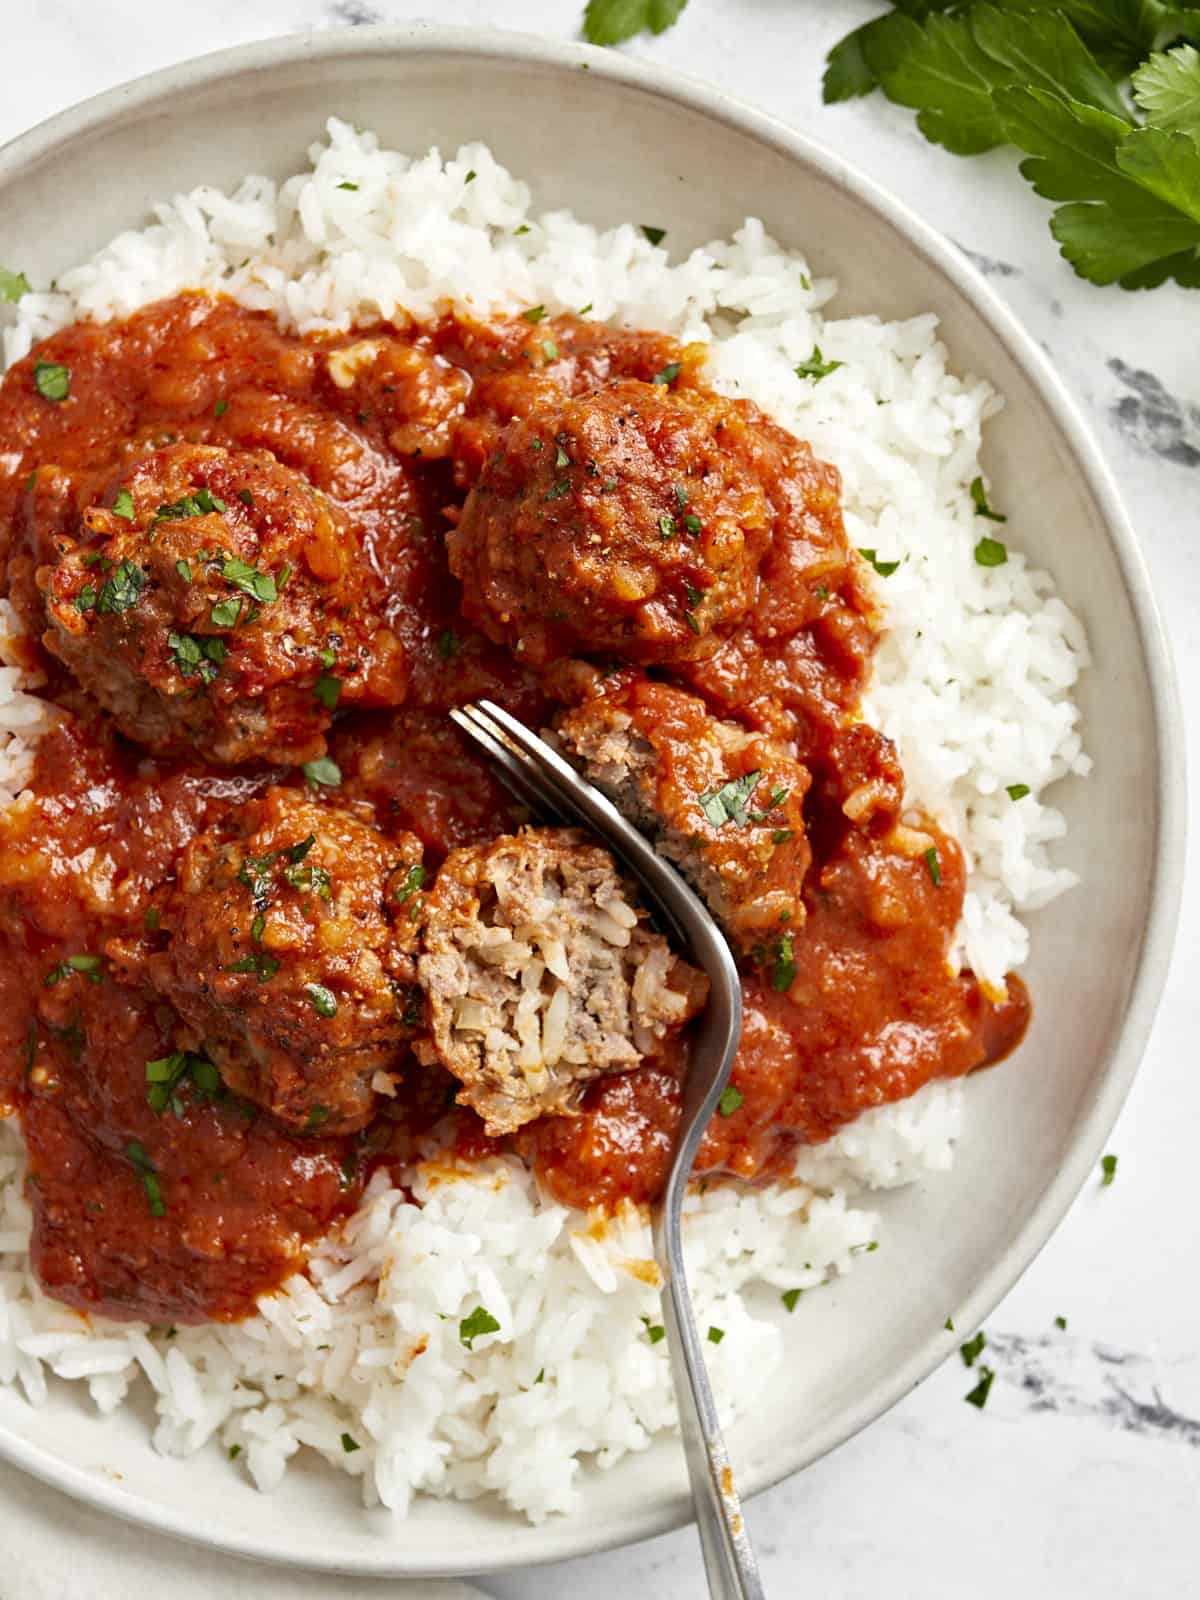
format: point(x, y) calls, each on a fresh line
point(725, 805)
point(291, 954)
point(629, 521)
point(540, 975)
point(216, 600)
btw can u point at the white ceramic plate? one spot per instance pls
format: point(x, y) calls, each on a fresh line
point(619, 141)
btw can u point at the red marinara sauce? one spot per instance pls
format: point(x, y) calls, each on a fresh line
point(190, 1208)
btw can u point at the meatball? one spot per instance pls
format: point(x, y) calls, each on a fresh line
point(291, 939)
point(541, 975)
point(629, 521)
point(725, 805)
point(215, 601)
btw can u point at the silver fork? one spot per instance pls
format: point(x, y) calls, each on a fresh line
point(540, 778)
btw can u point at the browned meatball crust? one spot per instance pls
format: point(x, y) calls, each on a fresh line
point(629, 521)
point(291, 934)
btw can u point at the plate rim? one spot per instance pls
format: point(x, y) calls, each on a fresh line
point(566, 1540)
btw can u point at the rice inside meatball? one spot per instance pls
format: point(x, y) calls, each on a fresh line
point(541, 975)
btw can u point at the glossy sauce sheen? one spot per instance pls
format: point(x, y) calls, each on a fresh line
point(191, 1213)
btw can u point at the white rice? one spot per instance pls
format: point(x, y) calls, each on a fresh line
point(973, 680)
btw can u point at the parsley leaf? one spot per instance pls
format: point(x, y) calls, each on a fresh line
point(816, 367)
point(784, 974)
point(260, 585)
point(1132, 199)
point(979, 1394)
point(479, 1322)
point(614, 21)
point(980, 500)
point(122, 590)
point(52, 380)
point(991, 553)
point(1108, 1170)
point(728, 803)
point(730, 1100)
point(1167, 88)
point(322, 772)
point(653, 235)
point(12, 285)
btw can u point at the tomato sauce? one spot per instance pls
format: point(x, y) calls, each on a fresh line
point(190, 1210)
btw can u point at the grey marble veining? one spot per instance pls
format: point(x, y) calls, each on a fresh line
point(1081, 1479)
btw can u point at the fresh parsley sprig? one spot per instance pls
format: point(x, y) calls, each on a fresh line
point(1121, 162)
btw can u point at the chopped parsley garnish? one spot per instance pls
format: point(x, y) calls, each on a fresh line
point(52, 380)
point(225, 613)
point(327, 658)
point(816, 367)
point(692, 523)
point(148, 1174)
point(517, 232)
point(449, 644)
point(317, 1116)
point(89, 967)
point(934, 866)
point(991, 553)
point(258, 927)
point(246, 497)
point(715, 1335)
point(608, 486)
point(583, 310)
point(348, 1170)
point(681, 495)
point(791, 1298)
point(184, 569)
point(541, 1377)
point(121, 590)
point(785, 966)
point(982, 509)
point(1061, 1324)
point(166, 1075)
point(1108, 1169)
point(864, 1249)
point(311, 878)
point(654, 1330)
point(557, 490)
point(728, 803)
point(235, 1451)
point(549, 349)
point(327, 690)
point(666, 526)
point(562, 459)
point(949, 1324)
point(221, 407)
point(260, 585)
point(781, 835)
point(410, 883)
point(123, 505)
point(322, 773)
point(349, 1444)
point(668, 374)
point(883, 568)
point(12, 286)
point(346, 184)
point(535, 313)
point(192, 656)
point(979, 1394)
point(151, 918)
point(654, 235)
point(480, 1321)
point(973, 1349)
point(1017, 791)
point(263, 966)
point(322, 1000)
point(471, 176)
point(730, 1100)
point(200, 503)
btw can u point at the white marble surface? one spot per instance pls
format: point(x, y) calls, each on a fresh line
point(1081, 1479)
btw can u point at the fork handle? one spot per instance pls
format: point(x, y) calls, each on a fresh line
point(729, 1559)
